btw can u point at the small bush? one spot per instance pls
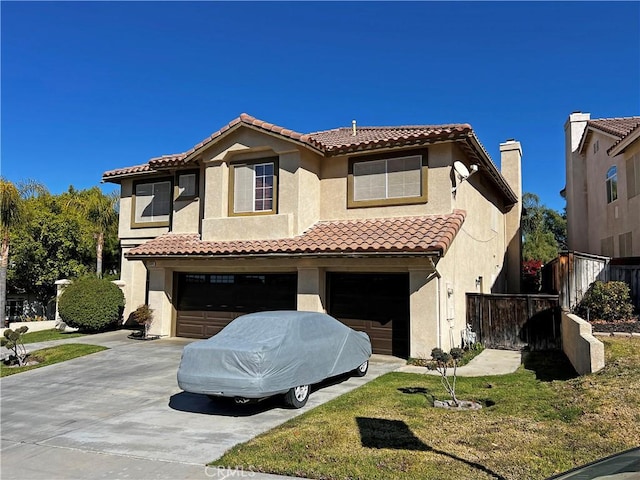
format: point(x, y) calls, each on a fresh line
point(91, 304)
point(606, 301)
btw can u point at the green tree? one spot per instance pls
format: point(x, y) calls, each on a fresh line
point(101, 211)
point(9, 218)
point(544, 230)
point(57, 239)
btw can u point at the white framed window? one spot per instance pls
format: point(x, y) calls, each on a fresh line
point(612, 184)
point(152, 204)
point(254, 188)
point(387, 181)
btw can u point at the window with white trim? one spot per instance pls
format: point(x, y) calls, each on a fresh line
point(152, 204)
point(254, 188)
point(612, 184)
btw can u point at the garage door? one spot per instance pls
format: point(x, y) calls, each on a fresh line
point(377, 304)
point(206, 303)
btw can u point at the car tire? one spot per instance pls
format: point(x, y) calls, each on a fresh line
point(297, 397)
point(362, 370)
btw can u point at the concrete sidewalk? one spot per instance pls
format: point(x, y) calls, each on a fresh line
point(489, 362)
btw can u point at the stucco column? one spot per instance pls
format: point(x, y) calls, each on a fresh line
point(60, 286)
point(511, 169)
point(160, 292)
point(311, 289)
point(424, 312)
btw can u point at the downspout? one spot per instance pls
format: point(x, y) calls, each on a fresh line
point(438, 303)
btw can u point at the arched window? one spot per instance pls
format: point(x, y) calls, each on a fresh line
point(612, 184)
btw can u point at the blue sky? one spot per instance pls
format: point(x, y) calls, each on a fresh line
point(88, 86)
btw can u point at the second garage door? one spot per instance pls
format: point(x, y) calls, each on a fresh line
point(375, 303)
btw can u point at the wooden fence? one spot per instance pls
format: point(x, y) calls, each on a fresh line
point(570, 274)
point(513, 322)
point(628, 271)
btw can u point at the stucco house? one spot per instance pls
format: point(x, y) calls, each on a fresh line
point(603, 185)
point(359, 222)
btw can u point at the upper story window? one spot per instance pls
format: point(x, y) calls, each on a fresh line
point(187, 183)
point(253, 187)
point(151, 204)
point(387, 181)
point(612, 184)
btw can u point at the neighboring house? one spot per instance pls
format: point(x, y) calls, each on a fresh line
point(360, 222)
point(603, 185)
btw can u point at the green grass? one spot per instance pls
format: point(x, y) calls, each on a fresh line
point(46, 335)
point(535, 422)
point(49, 356)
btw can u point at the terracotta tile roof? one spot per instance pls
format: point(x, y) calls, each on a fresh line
point(127, 171)
point(423, 234)
point(328, 142)
point(342, 140)
point(620, 127)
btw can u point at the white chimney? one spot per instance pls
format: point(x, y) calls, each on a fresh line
point(353, 127)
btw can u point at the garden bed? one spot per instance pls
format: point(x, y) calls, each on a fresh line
point(631, 325)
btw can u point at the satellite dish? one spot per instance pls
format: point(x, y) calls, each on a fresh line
point(461, 169)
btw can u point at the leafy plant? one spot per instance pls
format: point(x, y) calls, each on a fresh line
point(13, 341)
point(143, 315)
point(443, 361)
point(531, 275)
point(606, 301)
point(91, 304)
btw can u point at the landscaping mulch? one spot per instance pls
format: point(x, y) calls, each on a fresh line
point(631, 325)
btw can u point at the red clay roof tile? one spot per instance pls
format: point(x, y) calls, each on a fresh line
point(620, 126)
point(423, 234)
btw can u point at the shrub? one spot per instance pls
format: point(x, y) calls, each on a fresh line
point(13, 341)
point(606, 301)
point(91, 304)
point(143, 315)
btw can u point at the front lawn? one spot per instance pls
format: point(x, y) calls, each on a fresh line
point(51, 355)
point(535, 422)
point(46, 335)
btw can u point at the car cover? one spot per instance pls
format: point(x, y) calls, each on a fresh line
point(267, 353)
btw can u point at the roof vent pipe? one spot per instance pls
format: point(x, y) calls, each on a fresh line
point(353, 127)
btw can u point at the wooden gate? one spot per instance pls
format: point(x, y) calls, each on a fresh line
point(513, 322)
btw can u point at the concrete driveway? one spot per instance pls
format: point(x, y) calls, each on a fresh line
point(120, 414)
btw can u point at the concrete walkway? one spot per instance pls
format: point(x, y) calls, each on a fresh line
point(489, 362)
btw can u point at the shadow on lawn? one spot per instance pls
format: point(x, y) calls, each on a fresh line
point(395, 434)
point(549, 365)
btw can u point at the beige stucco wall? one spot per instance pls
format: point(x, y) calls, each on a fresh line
point(615, 218)
point(584, 351)
point(333, 188)
point(311, 189)
point(590, 219)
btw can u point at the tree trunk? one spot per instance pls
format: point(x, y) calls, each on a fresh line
point(99, 246)
point(4, 263)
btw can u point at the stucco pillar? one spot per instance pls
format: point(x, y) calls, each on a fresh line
point(511, 169)
point(424, 312)
point(60, 286)
point(160, 292)
point(311, 289)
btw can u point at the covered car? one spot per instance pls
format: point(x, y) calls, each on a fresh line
point(269, 353)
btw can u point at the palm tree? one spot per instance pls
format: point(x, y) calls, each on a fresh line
point(10, 200)
point(101, 210)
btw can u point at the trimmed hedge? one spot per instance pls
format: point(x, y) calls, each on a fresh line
point(91, 304)
point(606, 301)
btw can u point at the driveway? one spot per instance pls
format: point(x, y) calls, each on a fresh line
point(120, 414)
